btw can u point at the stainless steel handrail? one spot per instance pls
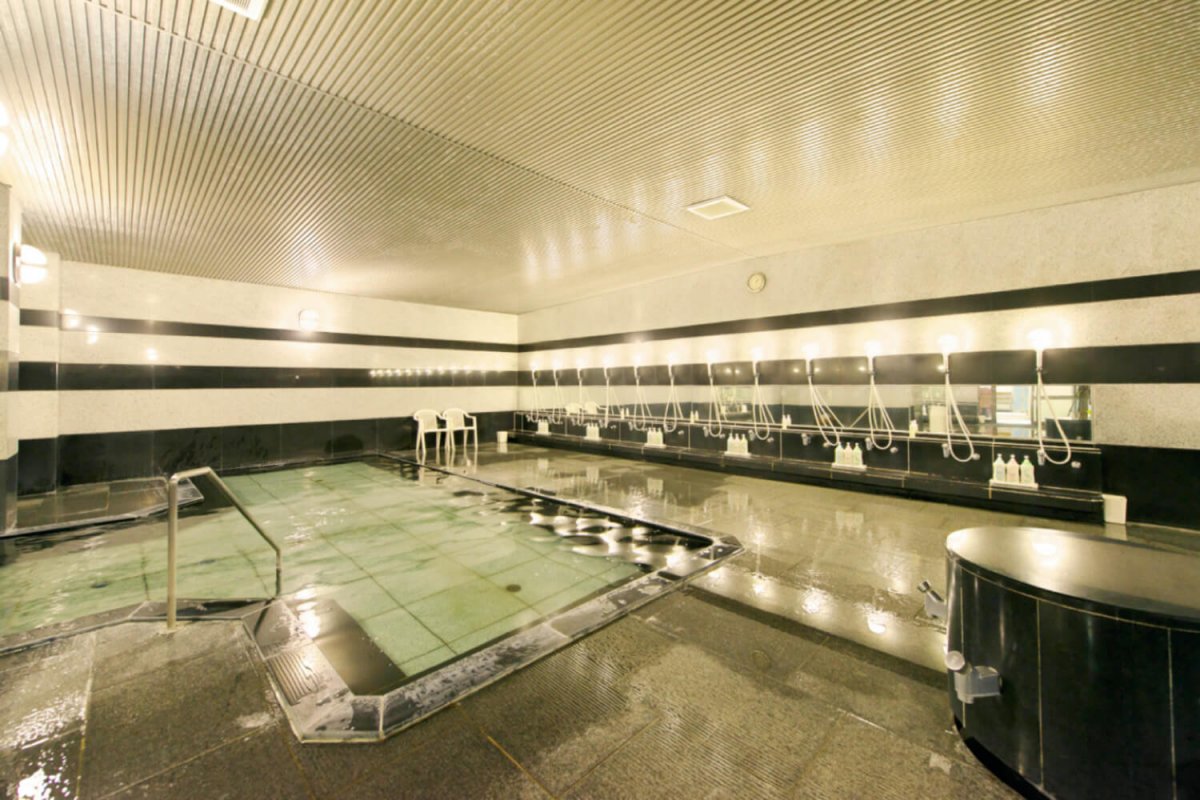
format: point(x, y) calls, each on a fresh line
point(173, 529)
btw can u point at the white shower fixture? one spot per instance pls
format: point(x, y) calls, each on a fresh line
point(672, 412)
point(878, 418)
point(1041, 339)
point(714, 426)
point(639, 419)
point(949, 343)
point(761, 418)
point(827, 421)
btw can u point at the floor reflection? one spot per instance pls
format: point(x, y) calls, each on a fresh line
point(843, 562)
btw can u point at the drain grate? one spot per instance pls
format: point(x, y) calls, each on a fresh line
point(513, 587)
point(295, 677)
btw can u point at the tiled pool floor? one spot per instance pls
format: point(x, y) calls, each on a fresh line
point(427, 574)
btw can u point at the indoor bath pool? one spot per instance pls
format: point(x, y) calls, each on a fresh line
point(404, 586)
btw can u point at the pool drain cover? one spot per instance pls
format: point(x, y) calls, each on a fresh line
point(513, 587)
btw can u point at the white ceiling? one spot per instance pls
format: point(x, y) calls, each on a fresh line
point(516, 155)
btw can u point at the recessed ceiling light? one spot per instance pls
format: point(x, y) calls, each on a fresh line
point(717, 207)
point(247, 8)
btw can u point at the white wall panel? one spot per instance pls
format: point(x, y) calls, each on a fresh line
point(82, 347)
point(1154, 320)
point(95, 290)
point(1134, 234)
point(34, 414)
point(112, 411)
point(1147, 414)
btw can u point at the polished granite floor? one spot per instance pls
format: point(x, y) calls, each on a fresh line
point(702, 694)
point(690, 697)
point(846, 563)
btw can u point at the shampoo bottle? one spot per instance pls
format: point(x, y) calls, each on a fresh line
point(998, 468)
point(857, 453)
point(1027, 478)
point(1012, 471)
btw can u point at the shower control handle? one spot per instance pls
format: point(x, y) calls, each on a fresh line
point(935, 605)
point(972, 683)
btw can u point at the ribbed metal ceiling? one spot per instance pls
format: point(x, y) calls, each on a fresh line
point(516, 155)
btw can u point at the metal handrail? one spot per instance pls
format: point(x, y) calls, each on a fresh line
point(173, 529)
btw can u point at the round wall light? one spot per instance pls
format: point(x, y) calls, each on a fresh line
point(309, 318)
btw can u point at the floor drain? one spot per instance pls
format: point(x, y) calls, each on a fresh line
point(760, 659)
point(513, 587)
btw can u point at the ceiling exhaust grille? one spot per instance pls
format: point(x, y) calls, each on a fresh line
point(247, 8)
point(717, 207)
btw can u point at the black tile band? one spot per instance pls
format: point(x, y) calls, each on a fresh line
point(149, 327)
point(1158, 363)
point(1162, 285)
point(1150, 363)
point(45, 376)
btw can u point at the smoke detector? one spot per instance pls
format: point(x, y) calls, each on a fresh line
point(717, 207)
point(252, 9)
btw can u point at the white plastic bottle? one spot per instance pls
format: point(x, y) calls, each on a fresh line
point(1027, 477)
point(998, 468)
point(857, 456)
point(1012, 470)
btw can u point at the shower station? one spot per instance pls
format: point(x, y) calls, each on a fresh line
point(740, 423)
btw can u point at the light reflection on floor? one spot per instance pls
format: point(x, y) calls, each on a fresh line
point(847, 563)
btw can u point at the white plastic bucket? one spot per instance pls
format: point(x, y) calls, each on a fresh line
point(1114, 508)
point(501, 437)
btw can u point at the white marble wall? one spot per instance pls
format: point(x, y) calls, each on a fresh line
point(10, 219)
point(1133, 234)
point(1143, 233)
point(101, 291)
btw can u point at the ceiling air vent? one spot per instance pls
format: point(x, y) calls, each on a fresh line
point(717, 207)
point(247, 8)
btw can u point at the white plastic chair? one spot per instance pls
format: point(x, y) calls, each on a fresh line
point(459, 420)
point(427, 423)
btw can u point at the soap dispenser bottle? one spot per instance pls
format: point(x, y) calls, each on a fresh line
point(1012, 471)
point(998, 468)
point(838, 454)
point(1027, 478)
point(856, 454)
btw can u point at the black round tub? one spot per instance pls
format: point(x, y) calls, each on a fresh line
point(1074, 661)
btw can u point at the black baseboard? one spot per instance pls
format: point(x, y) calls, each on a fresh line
point(1161, 483)
point(43, 465)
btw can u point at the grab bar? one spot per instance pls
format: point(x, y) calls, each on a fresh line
point(173, 529)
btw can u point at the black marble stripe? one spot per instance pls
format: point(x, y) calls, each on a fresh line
point(1152, 363)
point(1160, 363)
point(44, 376)
point(52, 319)
point(1163, 285)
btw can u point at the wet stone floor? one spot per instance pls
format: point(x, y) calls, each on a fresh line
point(793, 671)
point(692, 696)
point(846, 563)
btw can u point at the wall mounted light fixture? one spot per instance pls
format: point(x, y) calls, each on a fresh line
point(31, 264)
point(309, 319)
